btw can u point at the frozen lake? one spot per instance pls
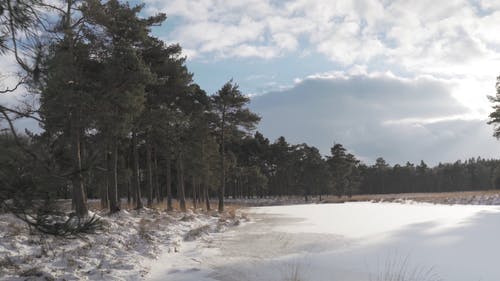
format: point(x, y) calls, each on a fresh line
point(346, 242)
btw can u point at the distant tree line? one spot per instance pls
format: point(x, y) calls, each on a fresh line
point(122, 118)
point(283, 169)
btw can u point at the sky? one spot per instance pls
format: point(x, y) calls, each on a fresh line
point(405, 80)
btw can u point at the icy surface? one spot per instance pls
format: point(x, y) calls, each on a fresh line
point(346, 242)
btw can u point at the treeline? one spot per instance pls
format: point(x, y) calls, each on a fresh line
point(288, 169)
point(122, 118)
point(472, 174)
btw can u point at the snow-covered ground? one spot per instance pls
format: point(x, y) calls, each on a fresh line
point(130, 243)
point(346, 242)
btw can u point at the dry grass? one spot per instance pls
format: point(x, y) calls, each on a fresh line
point(293, 272)
point(7, 262)
point(438, 197)
point(229, 207)
point(145, 227)
point(196, 232)
point(399, 269)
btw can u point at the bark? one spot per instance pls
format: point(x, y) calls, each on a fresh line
point(157, 189)
point(235, 184)
point(200, 193)
point(79, 198)
point(193, 182)
point(206, 190)
point(149, 174)
point(114, 205)
point(128, 191)
point(205, 196)
point(204, 180)
point(104, 188)
point(135, 172)
point(222, 165)
point(180, 181)
point(169, 181)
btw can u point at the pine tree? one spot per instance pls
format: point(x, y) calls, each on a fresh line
point(339, 169)
point(124, 79)
point(229, 106)
point(66, 95)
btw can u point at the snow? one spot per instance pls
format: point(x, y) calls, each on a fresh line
point(349, 242)
point(125, 250)
point(358, 220)
point(360, 241)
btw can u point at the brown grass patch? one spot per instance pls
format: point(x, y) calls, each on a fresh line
point(437, 197)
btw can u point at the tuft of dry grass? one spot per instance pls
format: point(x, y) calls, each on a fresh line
point(144, 229)
point(196, 232)
point(34, 271)
point(6, 263)
point(14, 229)
point(292, 272)
point(399, 269)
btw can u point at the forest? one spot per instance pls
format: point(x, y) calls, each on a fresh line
point(123, 121)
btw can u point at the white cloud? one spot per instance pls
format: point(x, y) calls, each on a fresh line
point(447, 39)
point(447, 50)
point(245, 50)
point(9, 78)
point(378, 114)
point(410, 33)
point(489, 4)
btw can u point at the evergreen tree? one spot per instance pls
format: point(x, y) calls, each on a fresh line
point(229, 106)
point(124, 79)
point(66, 94)
point(340, 169)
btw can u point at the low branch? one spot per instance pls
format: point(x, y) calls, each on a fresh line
point(13, 89)
point(14, 134)
point(14, 39)
point(22, 114)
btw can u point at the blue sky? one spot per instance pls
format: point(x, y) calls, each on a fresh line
point(406, 80)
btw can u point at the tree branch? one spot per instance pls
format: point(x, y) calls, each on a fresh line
point(14, 39)
point(26, 115)
point(3, 110)
point(5, 91)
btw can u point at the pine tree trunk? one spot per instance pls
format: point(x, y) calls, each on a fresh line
point(222, 167)
point(150, 173)
point(79, 198)
point(158, 192)
point(104, 188)
point(128, 191)
point(204, 180)
point(136, 179)
point(132, 177)
point(193, 182)
point(206, 190)
point(240, 187)
point(205, 196)
point(169, 181)
point(200, 193)
point(235, 183)
point(114, 205)
point(180, 181)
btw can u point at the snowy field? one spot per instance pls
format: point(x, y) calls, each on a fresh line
point(346, 242)
point(125, 250)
